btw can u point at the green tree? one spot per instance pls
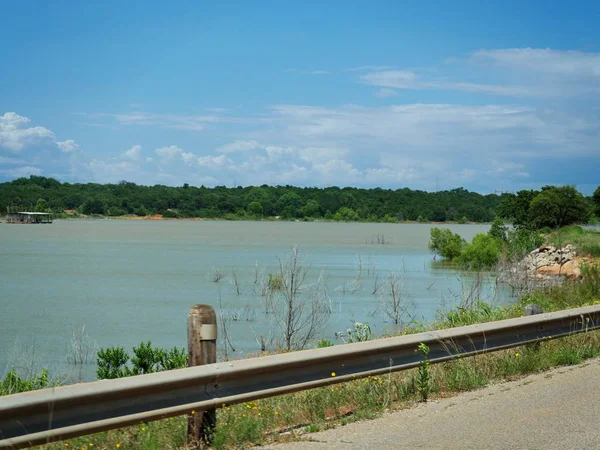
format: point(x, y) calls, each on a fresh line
point(41, 205)
point(346, 215)
point(596, 199)
point(515, 208)
point(557, 207)
point(445, 243)
point(498, 230)
point(482, 253)
point(310, 209)
point(256, 209)
point(93, 206)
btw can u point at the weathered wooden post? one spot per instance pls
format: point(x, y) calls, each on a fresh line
point(202, 349)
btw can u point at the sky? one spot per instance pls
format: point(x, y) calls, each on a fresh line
point(490, 96)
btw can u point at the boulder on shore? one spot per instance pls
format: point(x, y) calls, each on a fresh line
point(551, 262)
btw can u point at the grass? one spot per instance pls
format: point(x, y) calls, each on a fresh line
point(286, 417)
point(587, 242)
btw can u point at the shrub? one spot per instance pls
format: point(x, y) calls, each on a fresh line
point(445, 243)
point(388, 218)
point(346, 214)
point(141, 211)
point(113, 361)
point(498, 230)
point(13, 383)
point(169, 214)
point(323, 343)
point(275, 282)
point(116, 211)
point(463, 220)
point(360, 332)
point(522, 241)
point(482, 253)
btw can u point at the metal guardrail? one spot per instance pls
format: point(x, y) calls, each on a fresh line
point(38, 417)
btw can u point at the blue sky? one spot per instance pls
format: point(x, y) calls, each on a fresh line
point(427, 95)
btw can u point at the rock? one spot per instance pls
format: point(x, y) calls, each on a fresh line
point(532, 309)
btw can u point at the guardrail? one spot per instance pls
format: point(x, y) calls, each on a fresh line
point(38, 417)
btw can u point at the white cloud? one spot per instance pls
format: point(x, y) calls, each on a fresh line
point(239, 146)
point(214, 161)
point(567, 64)
point(15, 135)
point(189, 158)
point(400, 79)
point(173, 121)
point(19, 172)
point(367, 68)
point(68, 146)
point(168, 153)
point(134, 153)
point(527, 72)
point(321, 154)
point(386, 92)
point(4, 160)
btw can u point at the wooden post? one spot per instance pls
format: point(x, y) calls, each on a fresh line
point(202, 349)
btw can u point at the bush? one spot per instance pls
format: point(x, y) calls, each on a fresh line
point(522, 241)
point(482, 253)
point(498, 230)
point(445, 243)
point(169, 214)
point(388, 218)
point(113, 361)
point(141, 211)
point(13, 383)
point(346, 214)
point(323, 343)
point(275, 282)
point(360, 332)
point(92, 207)
point(463, 220)
point(115, 211)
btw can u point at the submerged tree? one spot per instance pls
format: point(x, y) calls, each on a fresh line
point(300, 311)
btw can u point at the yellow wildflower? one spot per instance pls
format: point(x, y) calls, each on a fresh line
point(333, 374)
point(118, 445)
point(517, 354)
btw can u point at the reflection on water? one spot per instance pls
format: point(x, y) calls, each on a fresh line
point(129, 281)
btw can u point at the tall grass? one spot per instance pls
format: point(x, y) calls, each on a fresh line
point(587, 242)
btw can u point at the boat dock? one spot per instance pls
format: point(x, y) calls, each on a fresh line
point(29, 217)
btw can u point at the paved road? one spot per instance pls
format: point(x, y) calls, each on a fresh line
point(553, 410)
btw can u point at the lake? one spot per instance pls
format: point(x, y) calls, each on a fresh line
point(133, 280)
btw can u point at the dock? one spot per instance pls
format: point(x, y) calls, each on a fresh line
point(30, 217)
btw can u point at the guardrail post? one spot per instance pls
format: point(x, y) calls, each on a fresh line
point(202, 349)
point(531, 310)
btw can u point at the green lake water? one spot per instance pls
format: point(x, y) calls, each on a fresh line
point(128, 281)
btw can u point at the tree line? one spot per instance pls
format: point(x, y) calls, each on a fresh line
point(252, 202)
